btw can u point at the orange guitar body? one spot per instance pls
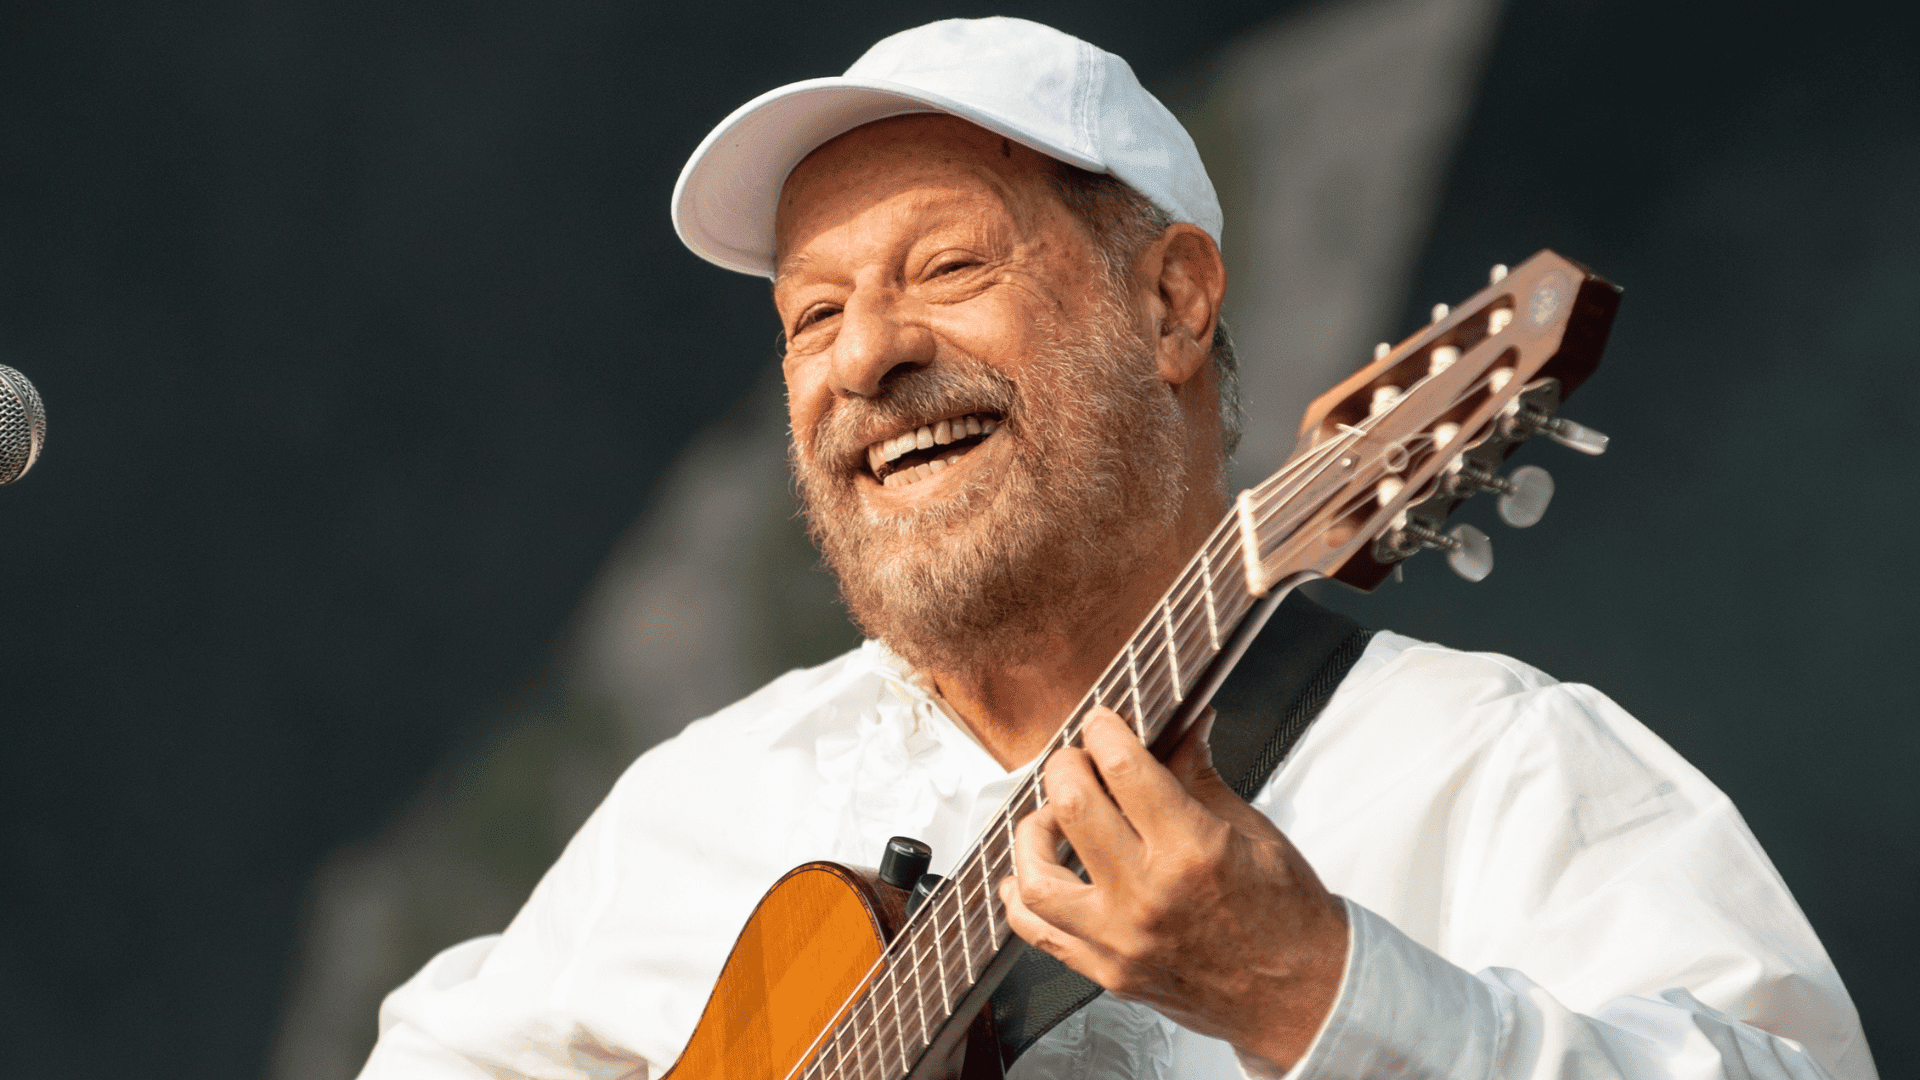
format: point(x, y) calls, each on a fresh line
point(811, 943)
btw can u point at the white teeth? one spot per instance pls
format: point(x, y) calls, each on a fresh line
point(939, 433)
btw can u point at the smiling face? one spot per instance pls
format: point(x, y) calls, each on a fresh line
point(984, 444)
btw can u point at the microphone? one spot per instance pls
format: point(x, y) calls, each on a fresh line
point(23, 425)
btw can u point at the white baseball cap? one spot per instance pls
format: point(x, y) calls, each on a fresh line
point(1031, 83)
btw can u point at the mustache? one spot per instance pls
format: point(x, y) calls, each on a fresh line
point(906, 401)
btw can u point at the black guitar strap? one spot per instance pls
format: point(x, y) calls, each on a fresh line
point(1263, 707)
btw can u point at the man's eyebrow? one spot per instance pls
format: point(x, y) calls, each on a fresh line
point(786, 268)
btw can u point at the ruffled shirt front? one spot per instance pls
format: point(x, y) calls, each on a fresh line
point(1539, 887)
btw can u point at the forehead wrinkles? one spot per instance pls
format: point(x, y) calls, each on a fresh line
point(836, 242)
point(918, 186)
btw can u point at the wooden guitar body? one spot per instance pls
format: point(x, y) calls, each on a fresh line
point(811, 943)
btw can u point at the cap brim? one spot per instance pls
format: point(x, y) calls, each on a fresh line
point(725, 200)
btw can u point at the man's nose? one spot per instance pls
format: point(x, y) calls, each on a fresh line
point(875, 342)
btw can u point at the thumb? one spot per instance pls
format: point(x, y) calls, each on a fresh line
point(1192, 765)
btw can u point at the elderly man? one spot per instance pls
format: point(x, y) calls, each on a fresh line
point(995, 259)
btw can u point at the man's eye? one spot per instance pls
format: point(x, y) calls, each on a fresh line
point(813, 315)
point(946, 268)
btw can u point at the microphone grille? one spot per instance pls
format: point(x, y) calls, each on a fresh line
point(23, 425)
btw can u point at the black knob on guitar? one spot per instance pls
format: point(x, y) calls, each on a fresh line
point(921, 890)
point(906, 859)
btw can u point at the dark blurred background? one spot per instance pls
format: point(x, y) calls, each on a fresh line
point(368, 349)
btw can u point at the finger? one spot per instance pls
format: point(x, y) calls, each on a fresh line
point(1075, 952)
point(1036, 857)
point(1087, 817)
point(1147, 793)
point(1053, 892)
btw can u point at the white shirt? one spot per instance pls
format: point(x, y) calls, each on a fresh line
point(1538, 887)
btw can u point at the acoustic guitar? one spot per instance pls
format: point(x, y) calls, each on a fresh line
point(834, 979)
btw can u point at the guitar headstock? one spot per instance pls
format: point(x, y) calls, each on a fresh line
point(1385, 456)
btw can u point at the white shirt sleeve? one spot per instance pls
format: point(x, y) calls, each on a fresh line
point(1558, 895)
point(1405, 1012)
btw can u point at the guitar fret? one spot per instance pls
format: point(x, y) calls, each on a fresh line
point(940, 962)
point(1133, 681)
point(988, 897)
point(837, 1049)
point(966, 928)
point(1173, 648)
point(850, 1036)
point(964, 957)
point(1193, 653)
point(875, 1037)
point(920, 1009)
point(1206, 589)
point(899, 1032)
point(835, 1054)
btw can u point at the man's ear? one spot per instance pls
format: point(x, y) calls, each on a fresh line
point(1189, 280)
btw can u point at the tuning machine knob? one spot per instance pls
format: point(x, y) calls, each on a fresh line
point(1524, 493)
point(1535, 420)
point(1469, 551)
point(1575, 436)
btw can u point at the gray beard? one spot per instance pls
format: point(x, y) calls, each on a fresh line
point(1012, 563)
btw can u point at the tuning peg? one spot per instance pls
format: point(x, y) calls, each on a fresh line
point(1497, 274)
point(1381, 350)
point(1469, 551)
point(1575, 436)
point(1524, 495)
point(1440, 312)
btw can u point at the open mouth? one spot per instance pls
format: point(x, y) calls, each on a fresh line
point(916, 455)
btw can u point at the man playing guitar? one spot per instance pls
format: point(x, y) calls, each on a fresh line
point(995, 258)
